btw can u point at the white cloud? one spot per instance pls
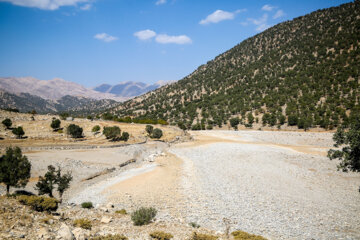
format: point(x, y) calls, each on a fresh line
point(45, 4)
point(164, 39)
point(105, 37)
point(145, 34)
point(86, 7)
point(261, 22)
point(160, 2)
point(279, 13)
point(218, 16)
point(267, 7)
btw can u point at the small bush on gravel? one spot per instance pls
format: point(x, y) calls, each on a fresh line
point(39, 204)
point(7, 123)
point(122, 212)
point(194, 225)
point(55, 124)
point(87, 205)
point(240, 235)
point(143, 216)
point(199, 236)
point(75, 131)
point(83, 223)
point(112, 132)
point(110, 237)
point(161, 235)
point(125, 136)
point(19, 132)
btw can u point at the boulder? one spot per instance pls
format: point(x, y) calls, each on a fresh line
point(80, 234)
point(106, 219)
point(65, 233)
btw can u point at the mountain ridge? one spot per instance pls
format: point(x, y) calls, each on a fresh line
point(301, 72)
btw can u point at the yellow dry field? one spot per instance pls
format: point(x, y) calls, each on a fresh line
point(39, 133)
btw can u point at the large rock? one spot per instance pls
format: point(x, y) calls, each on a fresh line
point(65, 233)
point(80, 234)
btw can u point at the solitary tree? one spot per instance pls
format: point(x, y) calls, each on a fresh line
point(55, 124)
point(19, 132)
point(96, 128)
point(234, 122)
point(46, 184)
point(75, 131)
point(111, 132)
point(157, 133)
point(125, 136)
point(14, 169)
point(349, 155)
point(7, 123)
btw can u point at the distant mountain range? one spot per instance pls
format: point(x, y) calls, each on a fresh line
point(56, 95)
point(129, 89)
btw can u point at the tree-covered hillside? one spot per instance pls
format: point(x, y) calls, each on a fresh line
point(303, 72)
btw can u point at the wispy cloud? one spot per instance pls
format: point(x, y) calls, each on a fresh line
point(162, 38)
point(220, 15)
point(267, 7)
point(105, 37)
point(279, 13)
point(145, 34)
point(261, 23)
point(86, 7)
point(160, 2)
point(165, 39)
point(45, 4)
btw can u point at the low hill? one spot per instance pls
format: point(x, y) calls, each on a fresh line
point(303, 72)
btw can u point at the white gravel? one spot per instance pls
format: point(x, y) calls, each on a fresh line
point(268, 190)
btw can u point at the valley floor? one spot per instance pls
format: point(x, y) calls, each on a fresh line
point(279, 185)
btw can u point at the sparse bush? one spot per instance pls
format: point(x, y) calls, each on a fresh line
point(39, 203)
point(64, 115)
point(143, 216)
point(111, 132)
point(19, 132)
point(83, 223)
point(96, 128)
point(199, 236)
point(161, 235)
point(121, 211)
point(75, 131)
point(194, 225)
point(55, 124)
point(60, 131)
point(110, 237)
point(149, 129)
point(125, 136)
point(157, 133)
point(87, 205)
point(240, 235)
point(7, 123)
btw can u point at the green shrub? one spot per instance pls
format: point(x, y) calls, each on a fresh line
point(156, 133)
point(110, 237)
point(161, 235)
point(87, 205)
point(7, 123)
point(149, 129)
point(111, 132)
point(75, 131)
point(143, 216)
point(38, 203)
point(96, 128)
point(60, 131)
point(194, 225)
point(125, 136)
point(55, 124)
point(240, 235)
point(83, 223)
point(19, 132)
point(122, 212)
point(199, 236)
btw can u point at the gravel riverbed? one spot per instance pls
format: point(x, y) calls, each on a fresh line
point(274, 191)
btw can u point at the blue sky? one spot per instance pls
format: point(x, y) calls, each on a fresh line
point(108, 41)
